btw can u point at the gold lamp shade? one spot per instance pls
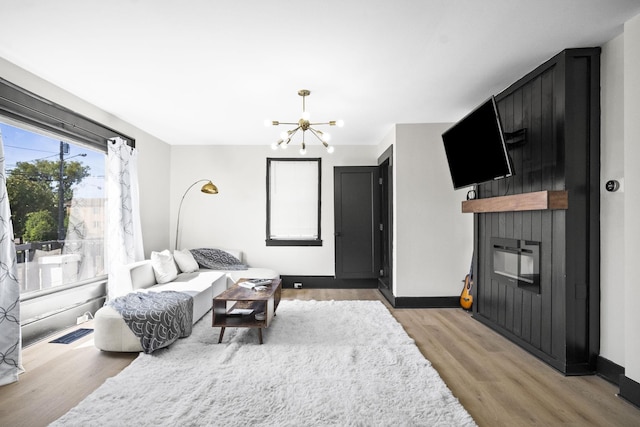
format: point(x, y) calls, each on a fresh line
point(209, 188)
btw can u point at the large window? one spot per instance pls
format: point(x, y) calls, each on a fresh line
point(56, 192)
point(55, 160)
point(293, 202)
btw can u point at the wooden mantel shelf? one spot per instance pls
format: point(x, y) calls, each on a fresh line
point(539, 200)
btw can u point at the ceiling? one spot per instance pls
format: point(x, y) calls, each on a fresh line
point(211, 71)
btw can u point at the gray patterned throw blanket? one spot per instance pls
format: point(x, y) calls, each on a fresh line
point(157, 318)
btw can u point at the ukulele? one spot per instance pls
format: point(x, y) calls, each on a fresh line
point(466, 299)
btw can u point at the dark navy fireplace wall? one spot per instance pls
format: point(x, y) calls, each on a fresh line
point(556, 108)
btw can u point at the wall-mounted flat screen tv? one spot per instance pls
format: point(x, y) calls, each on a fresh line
point(476, 149)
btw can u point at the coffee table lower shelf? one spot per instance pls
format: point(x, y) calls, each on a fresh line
point(224, 319)
point(254, 302)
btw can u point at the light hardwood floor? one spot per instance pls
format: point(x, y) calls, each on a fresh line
point(496, 381)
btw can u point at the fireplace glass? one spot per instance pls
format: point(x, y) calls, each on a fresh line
point(516, 263)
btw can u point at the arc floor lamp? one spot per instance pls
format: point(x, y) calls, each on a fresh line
point(208, 188)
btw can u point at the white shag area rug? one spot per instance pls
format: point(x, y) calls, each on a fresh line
point(323, 363)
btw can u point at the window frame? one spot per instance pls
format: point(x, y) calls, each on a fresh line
point(270, 241)
point(26, 107)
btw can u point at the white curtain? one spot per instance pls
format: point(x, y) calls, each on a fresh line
point(10, 336)
point(124, 239)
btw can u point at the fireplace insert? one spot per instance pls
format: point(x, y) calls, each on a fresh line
point(516, 263)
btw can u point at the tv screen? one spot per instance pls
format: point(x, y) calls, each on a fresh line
point(475, 147)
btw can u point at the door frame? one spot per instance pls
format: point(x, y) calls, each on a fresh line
point(385, 169)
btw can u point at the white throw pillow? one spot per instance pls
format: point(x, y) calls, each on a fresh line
point(186, 262)
point(164, 267)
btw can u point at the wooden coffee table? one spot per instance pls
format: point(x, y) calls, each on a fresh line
point(238, 306)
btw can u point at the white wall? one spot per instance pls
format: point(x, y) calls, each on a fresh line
point(153, 153)
point(236, 217)
point(620, 229)
point(427, 209)
point(612, 330)
point(632, 195)
point(433, 239)
point(153, 164)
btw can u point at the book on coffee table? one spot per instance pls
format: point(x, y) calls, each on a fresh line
point(241, 311)
point(253, 283)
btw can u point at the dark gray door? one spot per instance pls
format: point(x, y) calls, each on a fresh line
point(357, 222)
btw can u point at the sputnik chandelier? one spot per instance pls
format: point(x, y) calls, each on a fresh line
point(305, 125)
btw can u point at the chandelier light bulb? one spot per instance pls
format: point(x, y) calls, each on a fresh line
point(340, 123)
point(267, 123)
point(326, 137)
point(330, 149)
point(306, 115)
point(274, 146)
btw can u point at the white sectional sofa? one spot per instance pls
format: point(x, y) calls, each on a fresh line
point(112, 333)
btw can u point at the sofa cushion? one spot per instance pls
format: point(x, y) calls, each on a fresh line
point(139, 274)
point(217, 259)
point(164, 267)
point(186, 262)
point(190, 283)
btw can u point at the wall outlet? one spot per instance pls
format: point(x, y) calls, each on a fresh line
point(297, 285)
point(82, 319)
